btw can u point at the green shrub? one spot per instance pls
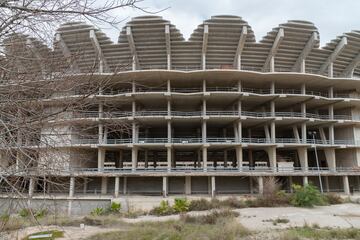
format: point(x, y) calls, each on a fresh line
point(4, 217)
point(307, 196)
point(233, 202)
point(115, 207)
point(181, 205)
point(97, 211)
point(163, 209)
point(25, 212)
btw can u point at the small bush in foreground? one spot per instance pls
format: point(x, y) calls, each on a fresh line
point(211, 218)
point(25, 212)
point(97, 211)
point(163, 209)
point(332, 198)
point(307, 196)
point(181, 205)
point(115, 207)
point(200, 205)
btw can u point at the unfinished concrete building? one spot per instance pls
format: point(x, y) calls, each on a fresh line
point(213, 114)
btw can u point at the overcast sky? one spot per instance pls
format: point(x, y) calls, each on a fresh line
point(331, 17)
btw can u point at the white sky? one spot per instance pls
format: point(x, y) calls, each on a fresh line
point(331, 17)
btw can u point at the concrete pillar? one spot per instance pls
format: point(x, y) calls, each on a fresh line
point(303, 132)
point(331, 134)
point(101, 159)
point(305, 180)
point(121, 158)
point(187, 185)
point(272, 157)
point(290, 184)
point(239, 157)
point(251, 159)
point(261, 185)
point(101, 133)
point(134, 157)
point(331, 92)
point(213, 186)
point(302, 66)
point(125, 186)
point(272, 108)
point(133, 86)
point(168, 85)
point(169, 158)
point(330, 158)
point(69, 207)
point(117, 186)
point(273, 131)
point(303, 157)
point(331, 70)
point(165, 187)
point(326, 183)
point(134, 132)
point(204, 133)
point(169, 107)
point(239, 128)
point(346, 185)
point(204, 154)
point(303, 89)
point(104, 184)
point(169, 131)
point(31, 187)
point(146, 152)
point(72, 187)
point(272, 64)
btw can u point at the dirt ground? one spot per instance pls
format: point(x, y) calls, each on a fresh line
point(256, 219)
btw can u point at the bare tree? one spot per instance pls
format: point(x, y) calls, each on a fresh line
point(36, 83)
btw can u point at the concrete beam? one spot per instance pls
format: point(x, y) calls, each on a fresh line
point(333, 56)
point(168, 46)
point(349, 71)
point(66, 52)
point(300, 62)
point(204, 46)
point(130, 38)
point(270, 58)
point(240, 47)
point(103, 66)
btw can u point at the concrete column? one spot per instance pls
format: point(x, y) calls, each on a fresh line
point(104, 184)
point(133, 86)
point(273, 131)
point(169, 131)
point(134, 157)
point(133, 108)
point(272, 88)
point(168, 85)
point(272, 157)
point(169, 107)
point(326, 183)
point(251, 159)
point(213, 186)
point(31, 187)
point(261, 185)
point(303, 89)
point(125, 186)
point(72, 187)
point(290, 184)
point(331, 111)
point(346, 185)
point(69, 207)
point(204, 85)
point(303, 132)
point(117, 186)
point(331, 92)
point(239, 128)
point(272, 64)
point(331, 134)
point(169, 158)
point(204, 154)
point(187, 185)
point(239, 85)
point(165, 187)
point(101, 159)
point(331, 70)
point(133, 128)
point(239, 157)
point(305, 180)
point(330, 158)
point(303, 157)
point(204, 133)
point(302, 66)
point(101, 133)
point(272, 108)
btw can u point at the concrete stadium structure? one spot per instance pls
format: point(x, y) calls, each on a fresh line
point(213, 114)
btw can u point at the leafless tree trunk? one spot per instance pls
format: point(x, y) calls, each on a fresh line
point(35, 85)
